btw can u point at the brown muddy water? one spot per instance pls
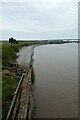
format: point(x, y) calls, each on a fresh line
point(56, 74)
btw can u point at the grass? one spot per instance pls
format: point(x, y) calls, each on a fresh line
point(8, 54)
point(32, 75)
point(9, 86)
point(9, 83)
point(0, 54)
point(9, 51)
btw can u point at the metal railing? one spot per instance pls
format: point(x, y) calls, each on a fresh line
point(14, 98)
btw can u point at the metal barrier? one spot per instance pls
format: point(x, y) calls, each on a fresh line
point(14, 98)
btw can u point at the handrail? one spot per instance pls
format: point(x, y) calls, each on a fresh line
point(14, 98)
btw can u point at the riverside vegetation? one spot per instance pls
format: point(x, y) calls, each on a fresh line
point(9, 77)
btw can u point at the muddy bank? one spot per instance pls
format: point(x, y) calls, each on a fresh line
point(12, 74)
point(25, 55)
point(26, 59)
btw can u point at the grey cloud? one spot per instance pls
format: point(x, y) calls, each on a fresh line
point(40, 20)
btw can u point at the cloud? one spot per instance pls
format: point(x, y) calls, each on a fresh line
point(40, 1)
point(38, 19)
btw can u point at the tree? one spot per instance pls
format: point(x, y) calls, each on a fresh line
point(12, 40)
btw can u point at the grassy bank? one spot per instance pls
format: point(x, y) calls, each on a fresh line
point(9, 52)
point(9, 79)
point(9, 84)
point(32, 75)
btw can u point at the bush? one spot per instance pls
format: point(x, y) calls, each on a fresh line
point(11, 40)
point(32, 75)
point(8, 54)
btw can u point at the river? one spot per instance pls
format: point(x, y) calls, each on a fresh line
point(56, 75)
point(56, 79)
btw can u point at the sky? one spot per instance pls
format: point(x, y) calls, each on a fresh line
point(38, 19)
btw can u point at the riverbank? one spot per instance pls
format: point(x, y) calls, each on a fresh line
point(11, 73)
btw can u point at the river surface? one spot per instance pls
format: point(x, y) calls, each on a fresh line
point(56, 74)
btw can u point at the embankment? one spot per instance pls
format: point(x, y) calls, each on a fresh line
point(11, 73)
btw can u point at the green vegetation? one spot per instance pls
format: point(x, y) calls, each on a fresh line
point(32, 75)
point(9, 85)
point(9, 52)
point(0, 54)
point(9, 49)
